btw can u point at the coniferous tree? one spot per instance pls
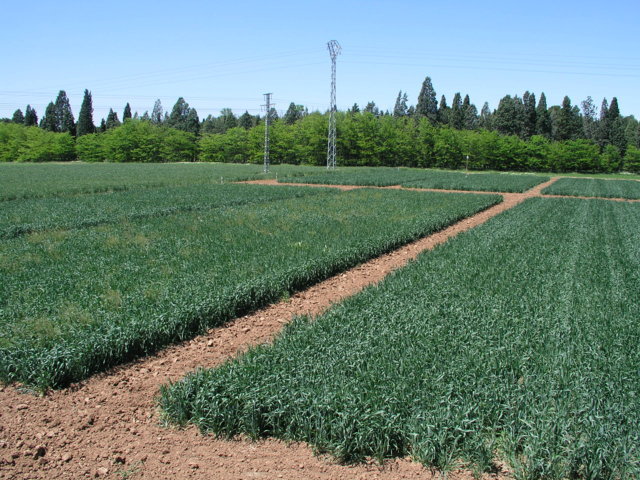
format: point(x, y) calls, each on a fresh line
point(18, 117)
point(48, 122)
point(30, 117)
point(444, 112)
point(179, 114)
point(400, 108)
point(485, 120)
point(296, 112)
point(615, 127)
point(543, 118)
point(529, 117)
point(103, 126)
point(112, 120)
point(589, 121)
point(246, 120)
point(157, 115)
point(273, 115)
point(192, 123)
point(127, 112)
point(64, 117)
point(456, 120)
point(372, 108)
point(568, 122)
point(85, 117)
point(507, 116)
point(470, 113)
point(354, 109)
point(427, 105)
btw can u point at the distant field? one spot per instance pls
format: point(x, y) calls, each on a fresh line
point(421, 178)
point(590, 187)
point(74, 302)
point(47, 180)
point(515, 341)
point(37, 214)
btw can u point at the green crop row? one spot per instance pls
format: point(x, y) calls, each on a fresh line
point(76, 302)
point(49, 180)
point(420, 178)
point(37, 214)
point(517, 341)
point(592, 187)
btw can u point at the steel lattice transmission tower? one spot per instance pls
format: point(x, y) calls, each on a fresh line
point(267, 121)
point(334, 50)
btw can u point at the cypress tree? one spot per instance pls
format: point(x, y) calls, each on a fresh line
point(615, 128)
point(543, 118)
point(485, 120)
point(400, 108)
point(192, 123)
point(444, 112)
point(295, 112)
point(179, 114)
point(30, 117)
point(246, 120)
point(567, 122)
point(427, 104)
point(355, 108)
point(470, 113)
point(85, 118)
point(157, 113)
point(64, 117)
point(506, 117)
point(48, 122)
point(18, 117)
point(103, 126)
point(529, 115)
point(127, 113)
point(372, 108)
point(457, 115)
point(112, 120)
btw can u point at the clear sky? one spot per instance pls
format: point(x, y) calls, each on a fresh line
point(227, 54)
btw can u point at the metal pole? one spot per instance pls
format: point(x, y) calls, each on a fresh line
point(267, 105)
point(334, 50)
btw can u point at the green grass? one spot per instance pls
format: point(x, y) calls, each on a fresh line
point(76, 302)
point(37, 214)
point(421, 178)
point(516, 341)
point(49, 180)
point(595, 188)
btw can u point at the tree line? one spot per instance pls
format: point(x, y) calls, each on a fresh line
point(521, 134)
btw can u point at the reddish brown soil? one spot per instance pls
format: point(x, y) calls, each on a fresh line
point(109, 426)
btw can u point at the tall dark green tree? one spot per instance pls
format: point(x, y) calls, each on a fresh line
point(30, 117)
point(529, 116)
point(470, 114)
point(294, 113)
point(507, 117)
point(192, 124)
point(179, 114)
point(18, 117)
point(543, 118)
point(589, 120)
point(246, 120)
point(427, 105)
point(456, 119)
point(85, 117)
point(372, 108)
point(64, 116)
point(48, 121)
point(400, 108)
point(615, 127)
point(157, 114)
point(126, 115)
point(112, 120)
point(568, 124)
point(444, 112)
point(485, 120)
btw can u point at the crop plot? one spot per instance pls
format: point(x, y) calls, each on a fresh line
point(592, 187)
point(516, 340)
point(76, 302)
point(420, 178)
point(49, 180)
point(37, 214)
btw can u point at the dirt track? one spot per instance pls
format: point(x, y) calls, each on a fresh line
point(108, 426)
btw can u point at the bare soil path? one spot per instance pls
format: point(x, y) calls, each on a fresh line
point(109, 426)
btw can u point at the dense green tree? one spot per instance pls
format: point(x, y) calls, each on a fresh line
point(400, 108)
point(294, 113)
point(64, 116)
point(179, 114)
point(157, 114)
point(529, 117)
point(246, 120)
point(456, 118)
point(126, 114)
point(470, 114)
point(112, 120)
point(589, 121)
point(427, 105)
point(543, 118)
point(485, 120)
point(30, 117)
point(372, 108)
point(355, 108)
point(615, 127)
point(48, 121)
point(85, 118)
point(444, 112)
point(567, 124)
point(18, 117)
point(192, 124)
point(507, 117)
point(102, 127)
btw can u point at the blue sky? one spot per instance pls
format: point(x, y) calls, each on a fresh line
point(227, 54)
